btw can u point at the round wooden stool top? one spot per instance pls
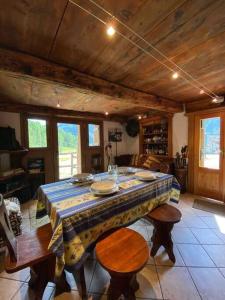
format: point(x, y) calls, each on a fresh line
point(165, 213)
point(124, 251)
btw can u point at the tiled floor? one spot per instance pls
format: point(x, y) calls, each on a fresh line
point(199, 271)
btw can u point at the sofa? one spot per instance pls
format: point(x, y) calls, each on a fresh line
point(146, 161)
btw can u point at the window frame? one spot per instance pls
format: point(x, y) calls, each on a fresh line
point(100, 139)
point(25, 129)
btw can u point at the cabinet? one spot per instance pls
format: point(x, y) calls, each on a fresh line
point(156, 136)
point(13, 182)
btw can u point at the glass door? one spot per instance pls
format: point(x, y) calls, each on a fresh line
point(69, 149)
point(210, 143)
point(209, 168)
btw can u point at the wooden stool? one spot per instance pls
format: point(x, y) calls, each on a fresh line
point(123, 254)
point(163, 218)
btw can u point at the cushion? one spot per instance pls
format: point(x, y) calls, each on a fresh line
point(150, 162)
point(137, 160)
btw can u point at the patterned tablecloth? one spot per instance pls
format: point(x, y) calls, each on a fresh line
point(78, 217)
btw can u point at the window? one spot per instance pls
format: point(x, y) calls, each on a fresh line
point(210, 143)
point(37, 133)
point(94, 135)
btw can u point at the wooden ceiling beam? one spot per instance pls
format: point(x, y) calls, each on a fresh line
point(26, 65)
point(9, 106)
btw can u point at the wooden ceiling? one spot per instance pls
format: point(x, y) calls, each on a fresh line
point(190, 32)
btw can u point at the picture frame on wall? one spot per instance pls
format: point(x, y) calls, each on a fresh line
point(115, 135)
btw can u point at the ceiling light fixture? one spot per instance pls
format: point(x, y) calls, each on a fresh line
point(175, 75)
point(201, 92)
point(110, 30)
point(106, 113)
point(139, 117)
point(58, 104)
point(218, 99)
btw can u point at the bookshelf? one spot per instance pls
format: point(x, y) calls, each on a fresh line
point(156, 136)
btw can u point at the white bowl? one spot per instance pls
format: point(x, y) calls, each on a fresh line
point(103, 186)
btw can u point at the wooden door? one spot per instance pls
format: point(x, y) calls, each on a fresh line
point(209, 155)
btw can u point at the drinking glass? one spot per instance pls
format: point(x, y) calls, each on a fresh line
point(113, 170)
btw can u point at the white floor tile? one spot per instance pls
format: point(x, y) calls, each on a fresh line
point(206, 236)
point(195, 255)
point(183, 235)
point(217, 254)
point(177, 284)
point(210, 283)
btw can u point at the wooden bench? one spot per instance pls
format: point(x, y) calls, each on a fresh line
point(30, 250)
point(163, 219)
point(123, 254)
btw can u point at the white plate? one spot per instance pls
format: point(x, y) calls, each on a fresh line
point(103, 186)
point(145, 176)
point(97, 193)
point(126, 170)
point(82, 177)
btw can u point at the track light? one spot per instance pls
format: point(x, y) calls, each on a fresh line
point(175, 75)
point(218, 99)
point(110, 31)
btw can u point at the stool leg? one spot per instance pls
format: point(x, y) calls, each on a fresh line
point(134, 283)
point(162, 237)
point(168, 243)
point(156, 240)
point(115, 288)
point(125, 285)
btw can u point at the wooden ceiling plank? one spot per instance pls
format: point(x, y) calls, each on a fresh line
point(26, 65)
point(30, 26)
point(178, 33)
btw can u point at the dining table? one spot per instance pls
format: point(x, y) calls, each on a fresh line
point(79, 218)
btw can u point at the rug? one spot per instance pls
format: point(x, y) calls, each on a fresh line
point(212, 206)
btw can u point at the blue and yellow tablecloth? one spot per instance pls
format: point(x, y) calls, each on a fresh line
point(78, 217)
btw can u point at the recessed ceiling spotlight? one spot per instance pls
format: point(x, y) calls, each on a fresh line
point(110, 31)
point(175, 75)
point(106, 113)
point(139, 117)
point(201, 92)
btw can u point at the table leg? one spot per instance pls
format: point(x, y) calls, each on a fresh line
point(79, 277)
point(62, 285)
